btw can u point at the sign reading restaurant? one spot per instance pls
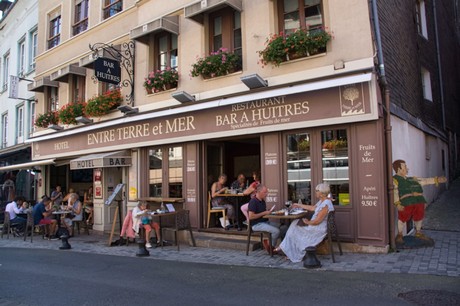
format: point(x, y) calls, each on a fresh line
point(300, 110)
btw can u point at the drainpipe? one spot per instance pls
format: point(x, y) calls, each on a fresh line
point(387, 116)
point(438, 54)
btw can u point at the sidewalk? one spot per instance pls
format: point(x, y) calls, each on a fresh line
point(442, 224)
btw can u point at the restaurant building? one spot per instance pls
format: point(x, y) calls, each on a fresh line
point(307, 120)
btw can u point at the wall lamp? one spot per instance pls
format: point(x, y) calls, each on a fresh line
point(183, 97)
point(127, 110)
point(55, 127)
point(253, 81)
point(83, 120)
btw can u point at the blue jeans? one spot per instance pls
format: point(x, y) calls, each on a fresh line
point(270, 227)
point(20, 221)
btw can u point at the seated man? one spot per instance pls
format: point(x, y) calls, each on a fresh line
point(42, 214)
point(257, 209)
point(17, 207)
point(240, 182)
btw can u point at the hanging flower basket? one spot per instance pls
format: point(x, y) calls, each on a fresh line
point(301, 43)
point(69, 112)
point(216, 64)
point(161, 80)
point(46, 119)
point(100, 105)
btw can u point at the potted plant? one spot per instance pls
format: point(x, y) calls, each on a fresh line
point(69, 112)
point(334, 144)
point(304, 145)
point(47, 119)
point(216, 64)
point(161, 80)
point(301, 43)
point(100, 105)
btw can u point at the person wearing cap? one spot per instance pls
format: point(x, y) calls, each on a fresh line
point(42, 213)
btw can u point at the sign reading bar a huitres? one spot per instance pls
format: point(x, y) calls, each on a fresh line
point(107, 70)
point(315, 108)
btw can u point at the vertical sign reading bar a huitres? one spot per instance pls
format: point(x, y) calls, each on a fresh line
point(107, 70)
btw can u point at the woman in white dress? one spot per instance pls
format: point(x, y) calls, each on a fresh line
point(303, 232)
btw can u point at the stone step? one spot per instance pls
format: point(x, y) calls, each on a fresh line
point(232, 241)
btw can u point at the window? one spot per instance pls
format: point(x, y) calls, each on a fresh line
point(105, 87)
point(166, 51)
point(81, 16)
point(298, 167)
point(32, 116)
point(21, 57)
point(334, 156)
point(225, 31)
point(112, 7)
point(78, 88)
point(33, 48)
point(54, 37)
point(6, 72)
point(166, 172)
point(299, 14)
point(421, 18)
point(4, 130)
point(20, 124)
point(53, 98)
point(426, 84)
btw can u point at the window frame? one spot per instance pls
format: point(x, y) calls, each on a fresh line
point(32, 115)
point(20, 111)
point(80, 17)
point(52, 98)
point(78, 88)
point(33, 45)
point(4, 142)
point(420, 18)
point(426, 84)
point(54, 36)
point(108, 6)
point(228, 28)
point(165, 170)
point(22, 57)
point(5, 71)
point(301, 11)
point(157, 56)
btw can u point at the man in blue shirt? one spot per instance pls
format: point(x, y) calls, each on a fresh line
point(42, 214)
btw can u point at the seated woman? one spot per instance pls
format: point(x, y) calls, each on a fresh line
point(304, 233)
point(76, 208)
point(141, 216)
point(217, 189)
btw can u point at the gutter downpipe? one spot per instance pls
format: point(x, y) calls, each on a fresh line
point(387, 117)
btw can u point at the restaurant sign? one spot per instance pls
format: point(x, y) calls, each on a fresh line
point(107, 70)
point(283, 112)
point(100, 161)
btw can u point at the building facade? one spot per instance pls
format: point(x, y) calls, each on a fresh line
point(305, 118)
point(18, 33)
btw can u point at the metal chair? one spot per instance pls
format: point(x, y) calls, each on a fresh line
point(181, 223)
point(214, 210)
point(332, 230)
point(6, 225)
point(251, 232)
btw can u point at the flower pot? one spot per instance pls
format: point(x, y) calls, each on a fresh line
point(148, 90)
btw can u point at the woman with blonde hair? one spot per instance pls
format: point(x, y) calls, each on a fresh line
point(304, 233)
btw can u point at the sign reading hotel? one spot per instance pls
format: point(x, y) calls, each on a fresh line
point(107, 70)
point(275, 113)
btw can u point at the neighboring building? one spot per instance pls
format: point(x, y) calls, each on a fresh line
point(308, 120)
point(18, 48)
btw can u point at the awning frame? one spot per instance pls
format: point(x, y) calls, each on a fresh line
point(30, 165)
point(62, 75)
point(197, 10)
point(167, 23)
point(40, 84)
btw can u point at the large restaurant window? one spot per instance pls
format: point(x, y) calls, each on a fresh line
point(166, 172)
point(300, 14)
point(335, 164)
point(299, 167)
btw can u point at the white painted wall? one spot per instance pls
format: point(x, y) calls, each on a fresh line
point(422, 153)
point(17, 25)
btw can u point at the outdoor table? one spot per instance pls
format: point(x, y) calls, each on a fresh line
point(163, 200)
point(238, 197)
point(60, 214)
point(289, 217)
point(160, 216)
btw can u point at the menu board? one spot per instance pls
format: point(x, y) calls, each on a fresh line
point(114, 194)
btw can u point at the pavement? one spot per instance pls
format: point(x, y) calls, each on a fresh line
point(441, 223)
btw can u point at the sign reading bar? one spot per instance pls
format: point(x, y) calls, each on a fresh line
point(107, 70)
point(100, 161)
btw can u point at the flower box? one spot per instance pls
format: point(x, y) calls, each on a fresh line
point(301, 43)
point(102, 104)
point(68, 113)
point(47, 119)
point(161, 80)
point(216, 64)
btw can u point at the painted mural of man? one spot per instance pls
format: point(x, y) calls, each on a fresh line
point(409, 199)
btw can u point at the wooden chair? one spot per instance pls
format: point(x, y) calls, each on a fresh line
point(6, 225)
point(182, 222)
point(332, 230)
point(250, 232)
point(214, 210)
